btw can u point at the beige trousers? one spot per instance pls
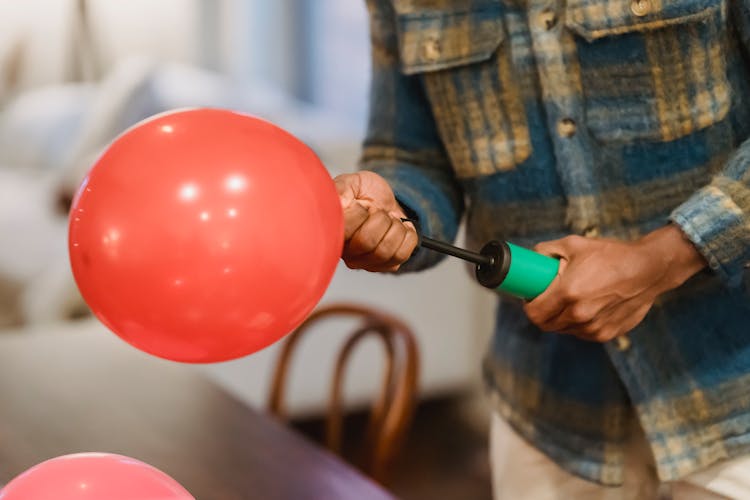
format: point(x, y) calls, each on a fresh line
point(521, 472)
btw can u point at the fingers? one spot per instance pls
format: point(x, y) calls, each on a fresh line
point(601, 290)
point(548, 306)
point(611, 322)
point(402, 254)
point(561, 248)
point(375, 238)
point(381, 243)
point(408, 245)
point(370, 233)
point(355, 208)
point(621, 320)
point(546, 310)
point(575, 313)
point(354, 216)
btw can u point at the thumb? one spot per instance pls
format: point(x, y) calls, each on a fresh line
point(347, 186)
point(556, 249)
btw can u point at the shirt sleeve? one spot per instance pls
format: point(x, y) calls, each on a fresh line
point(717, 217)
point(402, 142)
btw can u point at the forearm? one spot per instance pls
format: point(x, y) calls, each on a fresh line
point(678, 256)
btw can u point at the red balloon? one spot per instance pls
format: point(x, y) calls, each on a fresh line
point(94, 476)
point(205, 235)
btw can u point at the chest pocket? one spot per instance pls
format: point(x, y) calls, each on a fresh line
point(651, 69)
point(462, 56)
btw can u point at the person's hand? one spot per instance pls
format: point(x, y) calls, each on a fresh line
point(375, 237)
point(605, 287)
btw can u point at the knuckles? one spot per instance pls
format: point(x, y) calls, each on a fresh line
point(532, 313)
point(605, 335)
point(367, 239)
point(574, 241)
point(384, 251)
point(403, 253)
point(381, 244)
point(590, 330)
point(580, 313)
point(571, 292)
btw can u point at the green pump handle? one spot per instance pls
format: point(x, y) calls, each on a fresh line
point(515, 270)
point(505, 267)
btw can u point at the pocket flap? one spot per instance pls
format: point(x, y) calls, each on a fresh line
point(594, 19)
point(431, 40)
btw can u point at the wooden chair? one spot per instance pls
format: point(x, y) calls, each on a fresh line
point(392, 410)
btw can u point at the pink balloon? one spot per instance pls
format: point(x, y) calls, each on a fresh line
point(94, 476)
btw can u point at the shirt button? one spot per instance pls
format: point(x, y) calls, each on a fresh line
point(640, 8)
point(622, 343)
point(566, 127)
point(431, 49)
point(547, 20)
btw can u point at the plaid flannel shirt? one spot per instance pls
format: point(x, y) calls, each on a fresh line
point(535, 119)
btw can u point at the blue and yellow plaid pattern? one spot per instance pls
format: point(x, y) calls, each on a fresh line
point(535, 119)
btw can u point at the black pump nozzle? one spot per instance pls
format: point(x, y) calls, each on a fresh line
point(445, 248)
point(454, 251)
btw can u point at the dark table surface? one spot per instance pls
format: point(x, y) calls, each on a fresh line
point(70, 393)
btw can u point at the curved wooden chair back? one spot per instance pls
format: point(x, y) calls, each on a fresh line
point(392, 410)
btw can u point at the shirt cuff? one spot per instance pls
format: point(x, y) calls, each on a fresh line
point(717, 222)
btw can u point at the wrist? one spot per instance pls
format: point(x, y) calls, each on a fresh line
point(679, 257)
